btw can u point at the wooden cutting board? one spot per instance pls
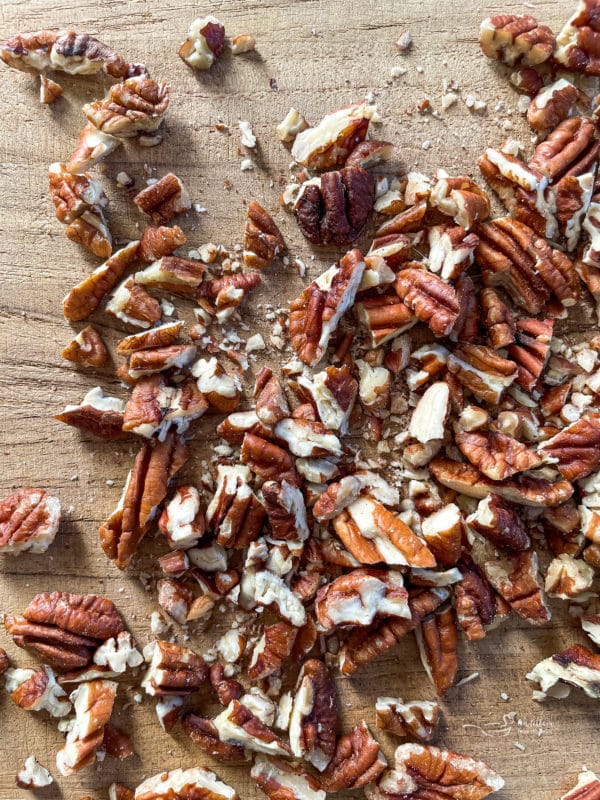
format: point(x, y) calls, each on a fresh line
point(315, 56)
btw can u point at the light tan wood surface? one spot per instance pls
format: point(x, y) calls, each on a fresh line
point(315, 56)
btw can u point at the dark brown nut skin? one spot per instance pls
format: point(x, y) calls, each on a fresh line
point(117, 743)
point(357, 761)
point(268, 460)
point(474, 601)
point(439, 637)
point(498, 319)
point(336, 212)
point(105, 424)
point(279, 640)
point(527, 81)
point(576, 449)
point(318, 726)
point(203, 733)
point(227, 689)
point(504, 528)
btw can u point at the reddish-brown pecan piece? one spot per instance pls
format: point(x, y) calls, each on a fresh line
point(357, 761)
point(155, 406)
point(91, 231)
point(4, 661)
point(263, 241)
point(314, 715)
point(174, 670)
point(173, 274)
point(29, 521)
point(575, 666)
point(182, 522)
point(164, 199)
point(474, 601)
point(369, 154)
point(50, 91)
point(429, 298)
point(527, 80)
point(271, 650)
point(234, 514)
point(385, 316)
point(161, 336)
point(523, 490)
point(315, 315)
point(271, 404)
point(334, 208)
point(117, 743)
point(570, 149)
point(195, 782)
point(174, 358)
point(450, 250)
point(74, 195)
point(238, 724)
point(145, 489)
point(425, 772)
point(97, 414)
point(481, 370)
point(496, 455)
point(204, 44)
point(437, 638)
point(227, 689)
point(460, 198)
point(132, 304)
point(587, 787)
point(286, 511)
point(443, 531)
point(577, 44)
point(516, 579)
point(496, 520)
point(515, 39)
point(328, 144)
point(361, 596)
point(160, 241)
point(282, 781)
point(228, 292)
point(412, 720)
point(204, 735)
point(531, 350)
point(568, 577)
point(552, 104)
point(576, 449)
point(268, 460)
point(87, 349)
point(92, 147)
point(498, 319)
point(134, 106)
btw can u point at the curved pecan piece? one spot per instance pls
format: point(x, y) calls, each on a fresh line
point(237, 724)
point(282, 781)
point(552, 104)
point(516, 579)
point(576, 449)
point(359, 597)
point(272, 649)
point(498, 319)
point(161, 336)
point(204, 735)
point(173, 274)
point(96, 414)
point(314, 715)
point(570, 149)
point(73, 195)
point(86, 349)
point(227, 689)
point(92, 148)
point(414, 720)
point(497, 456)
point(357, 761)
point(29, 520)
point(328, 144)
point(429, 298)
point(577, 43)
point(482, 371)
point(204, 44)
point(262, 238)
point(87, 615)
point(497, 521)
point(515, 39)
point(268, 460)
point(531, 350)
point(437, 638)
point(160, 241)
point(137, 104)
point(174, 670)
point(474, 601)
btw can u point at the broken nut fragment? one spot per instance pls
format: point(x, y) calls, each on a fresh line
point(357, 761)
point(86, 349)
point(262, 238)
point(359, 597)
point(314, 715)
point(328, 145)
point(515, 39)
point(205, 735)
point(164, 199)
point(575, 666)
point(204, 44)
point(195, 782)
point(135, 106)
point(174, 670)
point(29, 521)
point(433, 301)
point(278, 780)
point(576, 43)
point(96, 414)
point(33, 775)
point(416, 719)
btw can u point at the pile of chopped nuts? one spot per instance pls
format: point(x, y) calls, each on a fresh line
point(484, 498)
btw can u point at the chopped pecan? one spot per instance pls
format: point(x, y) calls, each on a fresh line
point(74, 195)
point(33, 775)
point(92, 147)
point(552, 104)
point(228, 292)
point(204, 44)
point(178, 783)
point(314, 316)
point(174, 357)
point(515, 39)
point(307, 439)
point(271, 650)
point(282, 781)
point(291, 125)
point(238, 725)
point(334, 208)
point(164, 199)
point(118, 791)
point(173, 274)
point(425, 771)
point(286, 511)
point(93, 703)
point(154, 407)
point(86, 349)
point(587, 788)
point(451, 250)
point(174, 670)
point(524, 490)
point(437, 638)
point(428, 420)
point(263, 241)
point(329, 144)
point(531, 350)
point(227, 689)
point(442, 532)
point(145, 489)
point(204, 735)
point(161, 336)
point(575, 666)
point(314, 715)
point(96, 414)
point(461, 199)
point(496, 455)
point(90, 231)
point(496, 520)
point(576, 44)
point(417, 719)
point(85, 297)
point(235, 514)
point(339, 495)
point(133, 305)
point(182, 522)
point(385, 316)
point(4, 661)
point(236, 425)
point(271, 403)
point(516, 579)
point(481, 370)
point(474, 601)
point(158, 242)
point(573, 197)
point(222, 391)
point(570, 149)
point(575, 449)
point(29, 521)
point(429, 298)
point(369, 154)
point(568, 577)
point(373, 535)
point(117, 743)
point(37, 690)
point(498, 319)
point(374, 388)
point(268, 460)
point(135, 106)
point(359, 597)
point(527, 81)
point(357, 761)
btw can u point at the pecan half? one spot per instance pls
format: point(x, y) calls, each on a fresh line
point(576, 44)
point(29, 521)
point(271, 650)
point(235, 514)
point(496, 455)
point(85, 297)
point(575, 666)
point(481, 370)
point(93, 704)
point(87, 349)
point(102, 416)
point(516, 579)
point(359, 597)
point(204, 735)
point(328, 145)
point(474, 601)
point(416, 719)
point(173, 274)
point(425, 771)
point(334, 208)
point(204, 44)
point(136, 105)
point(437, 638)
point(263, 241)
point(178, 783)
point(174, 670)
point(497, 521)
point(515, 39)
point(498, 319)
point(429, 298)
point(282, 781)
point(164, 199)
point(315, 315)
point(357, 761)
point(575, 449)
point(144, 491)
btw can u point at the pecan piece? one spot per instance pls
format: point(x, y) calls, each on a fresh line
point(531, 350)
point(87, 349)
point(437, 638)
point(428, 420)
point(154, 407)
point(238, 725)
point(286, 511)
point(307, 439)
point(497, 521)
point(429, 298)
point(235, 514)
point(161, 336)
point(29, 521)
point(461, 199)
point(516, 579)
point(357, 761)
point(573, 196)
point(482, 371)
point(568, 577)
point(587, 788)
point(385, 316)
point(271, 403)
point(552, 104)
point(334, 208)
point(451, 250)
point(222, 391)
point(570, 149)
point(282, 781)
point(174, 670)
point(90, 231)
point(182, 522)
point(145, 489)
point(227, 689)
point(314, 715)
point(33, 775)
point(328, 145)
point(37, 690)
point(474, 601)
point(268, 460)
point(135, 106)
point(424, 771)
point(359, 597)
point(416, 719)
point(228, 292)
point(577, 43)
point(174, 358)
point(4, 661)
point(73, 195)
point(333, 392)
point(575, 666)
point(263, 241)
point(173, 274)
point(315, 315)
point(515, 39)
point(204, 44)
point(91, 149)
point(85, 297)
point(442, 532)
point(93, 704)
point(164, 199)
point(496, 455)
point(575, 449)
point(97, 414)
point(204, 735)
point(179, 783)
point(271, 650)
point(498, 319)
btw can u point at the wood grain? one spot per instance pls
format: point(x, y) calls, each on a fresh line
point(316, 56)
